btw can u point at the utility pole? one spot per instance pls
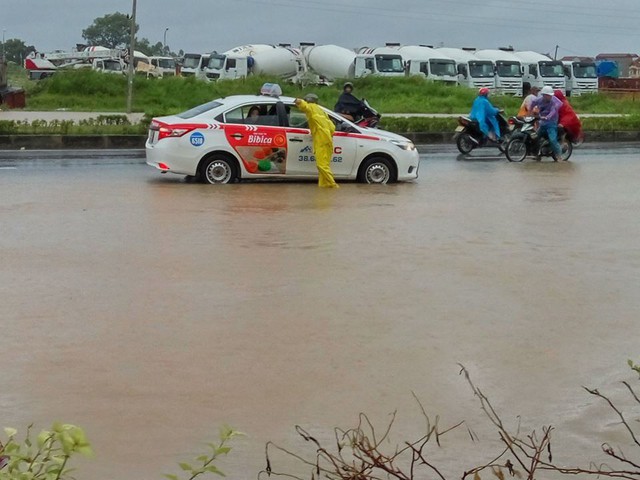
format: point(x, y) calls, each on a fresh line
point(132, 46)
point(3, 47)
point(164, 43)
point(555, 55)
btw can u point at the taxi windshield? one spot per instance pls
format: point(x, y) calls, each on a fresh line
point(205, 107)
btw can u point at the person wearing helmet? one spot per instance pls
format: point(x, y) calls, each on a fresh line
point(547, 106)
point(483, 112)
point(322, 129)
point(348, 105)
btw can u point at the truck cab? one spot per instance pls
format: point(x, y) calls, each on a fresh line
point(507, 70)
point(225, 66)
point(193, 65)
point(166, 66)
point(109, 65)
point(539, 70)
point(580, 77)
point(472, 72)
point(386, 62)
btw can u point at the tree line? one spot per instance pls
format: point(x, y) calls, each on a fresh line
point(111, 31)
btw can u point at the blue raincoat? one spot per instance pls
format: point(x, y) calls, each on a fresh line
point(485, 114)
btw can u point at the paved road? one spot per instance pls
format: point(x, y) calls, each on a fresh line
point(151, 310)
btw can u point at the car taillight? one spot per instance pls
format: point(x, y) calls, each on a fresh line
point(168, 131)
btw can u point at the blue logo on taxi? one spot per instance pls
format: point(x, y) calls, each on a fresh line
point(196, 139)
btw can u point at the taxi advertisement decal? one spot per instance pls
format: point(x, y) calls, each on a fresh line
point(262, 150)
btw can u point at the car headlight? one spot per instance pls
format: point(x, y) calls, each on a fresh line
point(404, 144)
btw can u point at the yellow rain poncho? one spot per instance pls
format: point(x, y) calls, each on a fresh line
point(322, 129)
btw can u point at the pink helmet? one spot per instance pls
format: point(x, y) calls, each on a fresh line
point(483, 91)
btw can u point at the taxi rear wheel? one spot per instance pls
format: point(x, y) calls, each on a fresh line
point(377, 170)
point(218, 169)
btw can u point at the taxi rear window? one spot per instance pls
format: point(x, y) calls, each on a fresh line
point(205, 107)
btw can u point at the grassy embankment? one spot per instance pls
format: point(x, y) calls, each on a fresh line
point(84, 90)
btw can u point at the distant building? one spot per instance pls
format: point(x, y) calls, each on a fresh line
point(623, 60)
point(634, 69)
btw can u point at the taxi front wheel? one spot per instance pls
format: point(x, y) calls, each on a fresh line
point(376, 170)
point(218, 169)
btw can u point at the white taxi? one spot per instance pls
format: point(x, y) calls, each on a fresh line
point(267, 136)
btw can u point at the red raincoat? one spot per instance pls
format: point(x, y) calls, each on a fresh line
point(568, 118)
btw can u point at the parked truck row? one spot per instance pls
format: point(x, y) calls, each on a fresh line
point(503, 70)
point(42, 65)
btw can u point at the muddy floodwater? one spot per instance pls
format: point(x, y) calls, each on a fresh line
point(151, 311)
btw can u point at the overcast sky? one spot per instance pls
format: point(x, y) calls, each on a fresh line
point(578, 27)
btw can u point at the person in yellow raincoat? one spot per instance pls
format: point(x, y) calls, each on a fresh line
point(322, 129)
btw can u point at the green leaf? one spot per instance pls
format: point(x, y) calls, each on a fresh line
point(10, 432)
point(85, 450)
point(170, 476)
point(67, 443)
point(214, 469)
point(185, 466)
point(630, 363)
point(203, 458)
point(223, 450)
point(43, 437)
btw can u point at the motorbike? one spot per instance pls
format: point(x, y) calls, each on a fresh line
point(469, 137)
point(367, 116)
point(527, 141)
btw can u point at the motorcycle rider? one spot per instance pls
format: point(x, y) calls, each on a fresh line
point(348, 105)
point(568, 118)
point(483, 112)
point(547, 106)
point(525, 108)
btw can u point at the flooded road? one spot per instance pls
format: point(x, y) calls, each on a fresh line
point(151, 311)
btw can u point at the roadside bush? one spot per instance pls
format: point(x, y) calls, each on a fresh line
point(45, 458)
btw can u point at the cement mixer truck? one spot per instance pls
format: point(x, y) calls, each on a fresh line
point(280, 61)
point(331, 62)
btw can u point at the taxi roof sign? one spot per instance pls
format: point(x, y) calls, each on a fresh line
point(271, 90)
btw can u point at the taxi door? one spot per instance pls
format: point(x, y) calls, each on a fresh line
point(261, 146)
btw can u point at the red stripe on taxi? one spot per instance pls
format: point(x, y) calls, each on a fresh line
point(355, 135)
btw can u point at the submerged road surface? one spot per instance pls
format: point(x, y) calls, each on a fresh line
point(151, 311)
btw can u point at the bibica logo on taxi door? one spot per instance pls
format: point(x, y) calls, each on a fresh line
point(259, 139)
